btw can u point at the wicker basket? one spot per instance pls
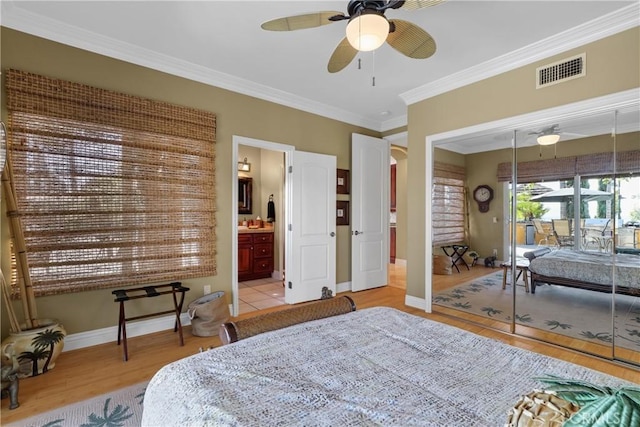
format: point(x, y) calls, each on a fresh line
point(441, 264)
point(207, 313)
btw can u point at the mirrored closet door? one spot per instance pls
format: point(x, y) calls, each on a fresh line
point(563, 220)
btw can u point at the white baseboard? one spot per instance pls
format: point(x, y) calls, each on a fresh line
point(110, 334)
point(415, 302)
point(343, 287)
point(401, 262)
point(141, 327)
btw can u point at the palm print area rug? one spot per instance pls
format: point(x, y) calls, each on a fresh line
point(577, 313)
point(122, 407)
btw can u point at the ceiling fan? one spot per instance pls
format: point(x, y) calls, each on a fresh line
point(368, 29)
point(551, 135)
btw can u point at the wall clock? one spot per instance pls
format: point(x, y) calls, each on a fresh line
point(483, 194)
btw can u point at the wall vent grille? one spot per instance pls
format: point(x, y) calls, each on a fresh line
point(561, 71)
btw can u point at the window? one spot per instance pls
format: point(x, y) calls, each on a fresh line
point(448, 222)
point(112, 190)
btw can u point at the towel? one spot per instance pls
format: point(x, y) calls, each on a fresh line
point(271, 210)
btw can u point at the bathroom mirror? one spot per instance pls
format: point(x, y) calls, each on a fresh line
point(245, 201)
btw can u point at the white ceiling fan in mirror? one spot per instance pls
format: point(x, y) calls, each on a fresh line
point(551, 135)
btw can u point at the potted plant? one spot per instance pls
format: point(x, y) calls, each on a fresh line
point(527, 209)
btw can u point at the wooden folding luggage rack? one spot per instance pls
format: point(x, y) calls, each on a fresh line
point(123, 295)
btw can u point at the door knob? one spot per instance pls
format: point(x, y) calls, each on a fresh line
point(358, 232)
point(332, 234)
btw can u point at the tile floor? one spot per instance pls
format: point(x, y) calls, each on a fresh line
point(260, 294)
point(265, 293)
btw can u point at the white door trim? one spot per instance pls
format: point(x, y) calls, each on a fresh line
point(288, 154)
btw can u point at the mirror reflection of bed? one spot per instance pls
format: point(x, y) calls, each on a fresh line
point(591, 301)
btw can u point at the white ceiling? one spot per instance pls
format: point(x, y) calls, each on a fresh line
point(221, 43)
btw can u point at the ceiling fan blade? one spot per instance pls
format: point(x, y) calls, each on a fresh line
point(300, 22)
point(342, 56)
point(411, 40)
point(577, 135)
point(420, 4)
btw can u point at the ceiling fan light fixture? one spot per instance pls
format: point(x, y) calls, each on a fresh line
point(548, 139)
point(367, 31)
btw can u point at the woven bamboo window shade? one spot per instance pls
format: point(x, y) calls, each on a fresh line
point(112, 190)
point(539, 170)
point(448, 199)
point(597, 164)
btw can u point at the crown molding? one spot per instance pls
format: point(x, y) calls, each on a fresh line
point(397, 122)
point(628, 99)
point(599, 28)
point(399, 139)
point(42, 26)
point(35, 24)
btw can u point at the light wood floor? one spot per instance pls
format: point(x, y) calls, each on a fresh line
point(88, 372)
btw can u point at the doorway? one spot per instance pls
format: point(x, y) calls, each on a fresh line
point(262, 288)
point(398, 217)
point(260, 243)
point(301, 237)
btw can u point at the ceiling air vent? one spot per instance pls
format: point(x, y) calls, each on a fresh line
point(561, 71)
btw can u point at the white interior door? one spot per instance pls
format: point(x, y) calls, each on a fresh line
point(369, 212)
point(312, 228)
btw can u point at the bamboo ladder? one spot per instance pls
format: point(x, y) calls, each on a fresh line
point(24, 279)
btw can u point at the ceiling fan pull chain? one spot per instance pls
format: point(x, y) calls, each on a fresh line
point(373, 79)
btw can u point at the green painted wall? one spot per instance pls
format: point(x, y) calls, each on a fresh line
point(613, 65)
point(506, 95)
point(236, 115)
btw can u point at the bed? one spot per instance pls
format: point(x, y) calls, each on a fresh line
point(375, 366)
point(585, 270)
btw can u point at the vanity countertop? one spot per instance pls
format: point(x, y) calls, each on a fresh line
point(255, 230)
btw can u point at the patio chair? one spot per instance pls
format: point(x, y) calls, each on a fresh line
point(625, 240)
point(602, 238)
point(586, 234)
point(542, 232)
point(563, 232)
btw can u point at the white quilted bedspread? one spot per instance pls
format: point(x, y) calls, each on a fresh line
point(589, 267)
point(376, 366)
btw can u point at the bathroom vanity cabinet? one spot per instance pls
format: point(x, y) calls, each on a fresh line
point(255, 255)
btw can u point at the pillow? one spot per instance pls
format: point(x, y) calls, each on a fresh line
point(541, 409)
point(231, 332)
point(536, 253)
